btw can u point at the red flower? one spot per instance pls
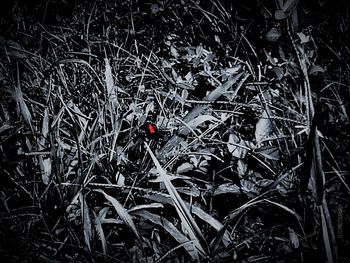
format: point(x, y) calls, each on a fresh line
point(150, 128)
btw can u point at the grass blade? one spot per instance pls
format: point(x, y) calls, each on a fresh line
point(99, 229)
point(86, 221)
point(18, 96)
point(187, 220)
point(171, 229)
point(122, 212)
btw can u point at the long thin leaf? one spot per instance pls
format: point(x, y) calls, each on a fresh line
point(18, 96)
point(312, 168)
point(214, 95)
point(99, 219)
point(111, 92)
point(86, 221)
point(172, 230)
point(318, 173)
point(227, 240)
point(218, 239)
point(122, 212)
point(328, 233)
point(187, 220)
point(326, 237)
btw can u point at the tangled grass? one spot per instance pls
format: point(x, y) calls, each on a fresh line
point(248, 159)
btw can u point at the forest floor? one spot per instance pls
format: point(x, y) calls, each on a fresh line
point(174, 131)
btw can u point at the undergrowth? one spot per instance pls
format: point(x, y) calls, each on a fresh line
point(173, 131)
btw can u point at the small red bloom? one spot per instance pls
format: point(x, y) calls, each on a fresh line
point(151, 129)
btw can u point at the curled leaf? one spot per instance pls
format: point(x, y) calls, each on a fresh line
point(273, 35)
point(280, 14)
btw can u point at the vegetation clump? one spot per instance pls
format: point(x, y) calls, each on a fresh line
point(174, 131)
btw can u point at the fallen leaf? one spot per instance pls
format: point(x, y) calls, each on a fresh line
point(263, 127)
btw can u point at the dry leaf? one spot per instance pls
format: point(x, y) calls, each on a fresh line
point(46, 169)
point(294, 240)
point(263, 127)
point(280, 14)
point(23, 106)
point(86, 221)
point(119, 178)
point(227, 188)
point(273, 35)
point(269, 152)
point(185, 167)
point(237, 147)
